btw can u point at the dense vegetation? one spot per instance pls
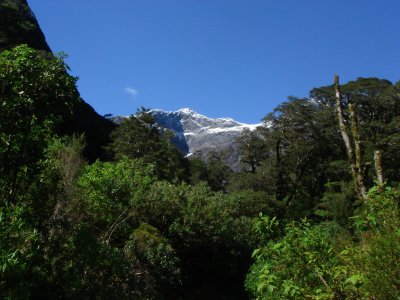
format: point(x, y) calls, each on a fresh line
point(144, 222)
point(18, 25)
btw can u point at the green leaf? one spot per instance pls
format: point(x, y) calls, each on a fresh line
point(354, 279)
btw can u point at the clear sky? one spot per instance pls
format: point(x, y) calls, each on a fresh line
point(222, 58)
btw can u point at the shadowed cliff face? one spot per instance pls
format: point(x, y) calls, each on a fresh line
point(18, 25)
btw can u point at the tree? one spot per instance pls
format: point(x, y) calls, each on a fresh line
point(35, 93)
point(376, 104)
point(218, 172)
point(197, 170)
point(252, 150)
point(139, 137)
point(306, 263)
point(353, 145)
point(300, 142)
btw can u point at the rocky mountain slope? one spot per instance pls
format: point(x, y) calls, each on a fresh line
point(18, 25)
point(196, 134)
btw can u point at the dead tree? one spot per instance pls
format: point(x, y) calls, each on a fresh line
point(378, 168)
point(352, 143)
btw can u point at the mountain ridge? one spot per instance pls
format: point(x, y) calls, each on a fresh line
point(199, 135)
point(195, 134)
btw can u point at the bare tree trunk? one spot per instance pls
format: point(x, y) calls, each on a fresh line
point(378, 167)
point(354, 156)
point(360, 170)
point(279, 191)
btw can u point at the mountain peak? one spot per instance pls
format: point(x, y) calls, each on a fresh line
point(186, 110)
point(196, 133)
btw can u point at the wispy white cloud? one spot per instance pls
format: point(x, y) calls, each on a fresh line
point(131, 91)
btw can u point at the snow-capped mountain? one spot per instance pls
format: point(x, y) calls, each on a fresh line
point(196, 134)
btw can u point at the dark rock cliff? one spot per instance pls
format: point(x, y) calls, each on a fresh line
point(18, 25)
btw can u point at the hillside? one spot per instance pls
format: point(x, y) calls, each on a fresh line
point(18, 25)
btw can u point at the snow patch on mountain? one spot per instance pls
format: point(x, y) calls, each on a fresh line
point(196, 134)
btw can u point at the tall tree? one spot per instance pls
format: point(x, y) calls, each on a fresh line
point(252, 150)
point(36, 92)
point(297, 136)
point(139, 137)
point(353, 144)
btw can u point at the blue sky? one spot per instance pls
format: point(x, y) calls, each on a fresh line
point(222, 58)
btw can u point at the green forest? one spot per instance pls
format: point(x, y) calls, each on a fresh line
point(312, 215)
point(91, 209)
